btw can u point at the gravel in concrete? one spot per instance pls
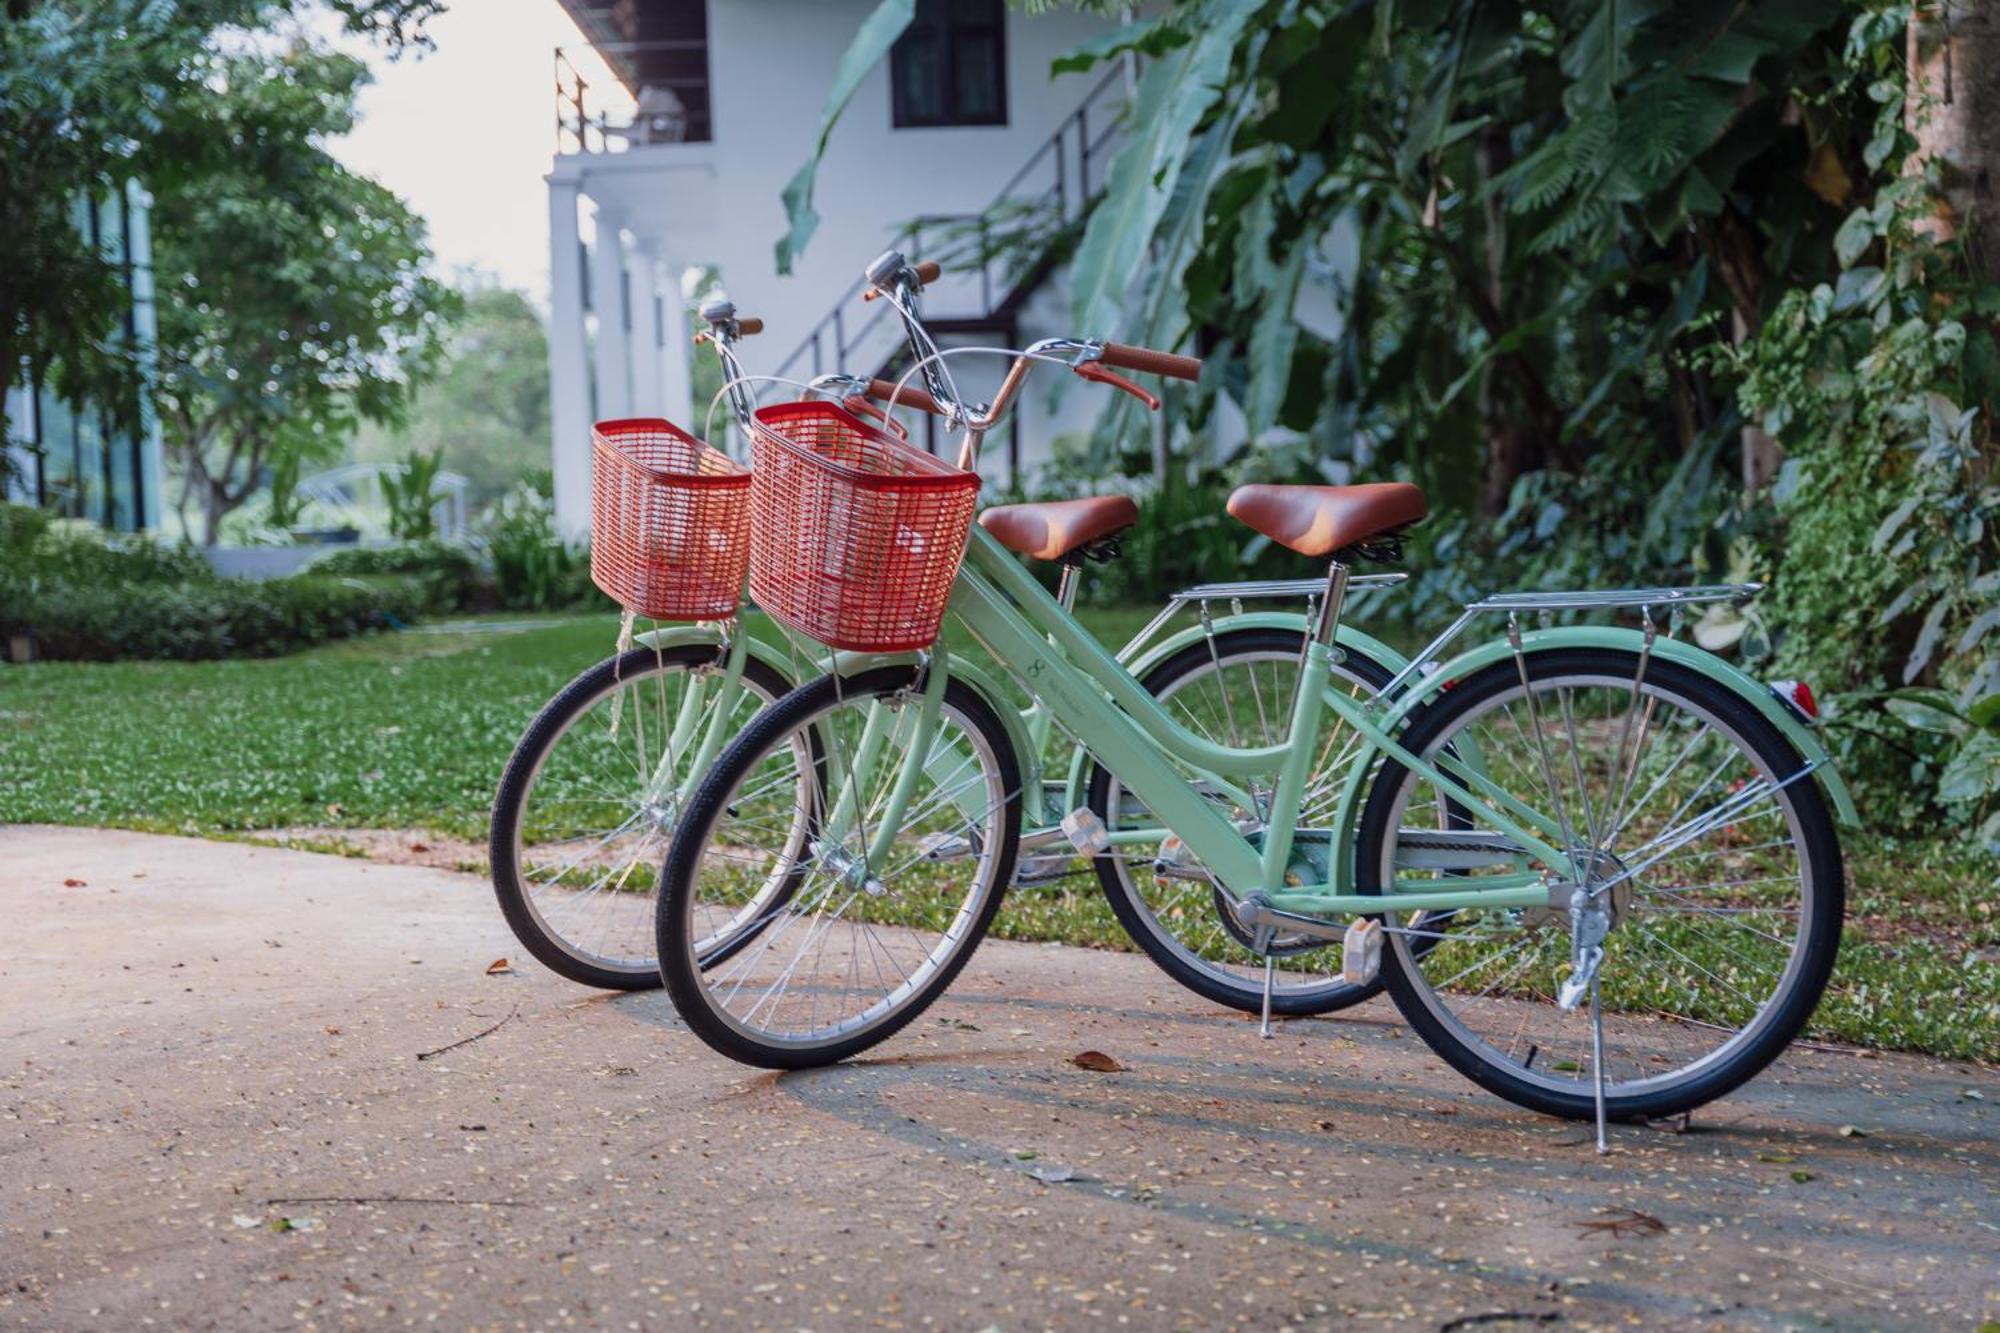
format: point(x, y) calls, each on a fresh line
point(212, 1115)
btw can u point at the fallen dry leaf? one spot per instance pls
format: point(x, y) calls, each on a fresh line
point(1095, 1061)
point(74, 884)
point(1618, 1221)
point(332, 1031)
point(497, 966)
point(420, 847)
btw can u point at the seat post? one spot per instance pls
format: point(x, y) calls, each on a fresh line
point(1072, 574)
point(1329, 607)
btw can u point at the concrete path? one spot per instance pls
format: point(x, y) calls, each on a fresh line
point(199, 1041)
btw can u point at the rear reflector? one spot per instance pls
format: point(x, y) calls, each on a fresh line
point(1799, 695)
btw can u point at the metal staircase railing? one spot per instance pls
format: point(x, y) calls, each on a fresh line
point(994, 259)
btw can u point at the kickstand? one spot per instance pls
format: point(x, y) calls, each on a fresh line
point(1270, 976)
point(1597, 1064)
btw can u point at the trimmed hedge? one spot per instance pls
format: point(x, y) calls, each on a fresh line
point(203, 620)
point(88, 596)
point(452, 578)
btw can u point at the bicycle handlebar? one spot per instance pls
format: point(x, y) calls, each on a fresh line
point(907, 396)
point(748, 325)
point(1151, 362)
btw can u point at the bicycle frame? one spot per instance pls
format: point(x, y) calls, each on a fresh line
point(1089, 693)
point(699, 710)
point(1092, 695)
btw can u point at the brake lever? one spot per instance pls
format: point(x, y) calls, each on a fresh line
point(1103, 374)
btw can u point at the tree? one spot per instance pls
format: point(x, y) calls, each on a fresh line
point(294, 297)
point(1954, 60)
point(92, 94)
point(487, 413)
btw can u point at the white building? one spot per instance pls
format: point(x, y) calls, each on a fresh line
point(964, 116)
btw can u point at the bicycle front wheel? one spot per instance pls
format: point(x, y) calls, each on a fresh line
point(588, 802)
point(862, 942)
point(1700, 838)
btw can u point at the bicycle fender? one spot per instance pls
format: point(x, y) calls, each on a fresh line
point(1677, 651)
point(674, 636)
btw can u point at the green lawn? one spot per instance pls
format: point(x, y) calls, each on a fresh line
point(404, 730)
point(410, 731)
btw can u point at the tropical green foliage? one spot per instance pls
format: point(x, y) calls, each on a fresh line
point(1890, 551)
point(411, 496)
point(1528, 255)
point(878, 32)
point(534, 568)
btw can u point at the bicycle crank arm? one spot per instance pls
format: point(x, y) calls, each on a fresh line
point(1255, 913)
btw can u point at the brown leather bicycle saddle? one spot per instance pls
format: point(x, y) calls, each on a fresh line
point(1052, 529)
point(1319, 520)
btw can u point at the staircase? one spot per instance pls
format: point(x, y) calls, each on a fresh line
point(993, 260)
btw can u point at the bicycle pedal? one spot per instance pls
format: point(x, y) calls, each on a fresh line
point(1086, 831)
point(1175, 861)
point(1361, 952)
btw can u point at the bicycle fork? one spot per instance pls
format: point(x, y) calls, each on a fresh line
point(671, 781)
point(882, 730)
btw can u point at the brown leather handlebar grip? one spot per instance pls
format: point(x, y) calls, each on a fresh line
point(908, 396)
point(1151, 362)
point(748, 325)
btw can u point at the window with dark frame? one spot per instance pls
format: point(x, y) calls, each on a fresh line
point(950, 66)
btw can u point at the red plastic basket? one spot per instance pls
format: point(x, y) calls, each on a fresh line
point(669, 521)
point(857, 536)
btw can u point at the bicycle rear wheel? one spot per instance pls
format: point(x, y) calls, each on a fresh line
point(1703, 840)
point(858, 947)
point(1236, 690)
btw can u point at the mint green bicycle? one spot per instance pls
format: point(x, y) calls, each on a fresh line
point(1596, 867)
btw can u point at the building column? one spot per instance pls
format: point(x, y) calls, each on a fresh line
point(614, 322)
point(644, 278)
point(676, 385)
point(569, 369)
point(149, 478)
